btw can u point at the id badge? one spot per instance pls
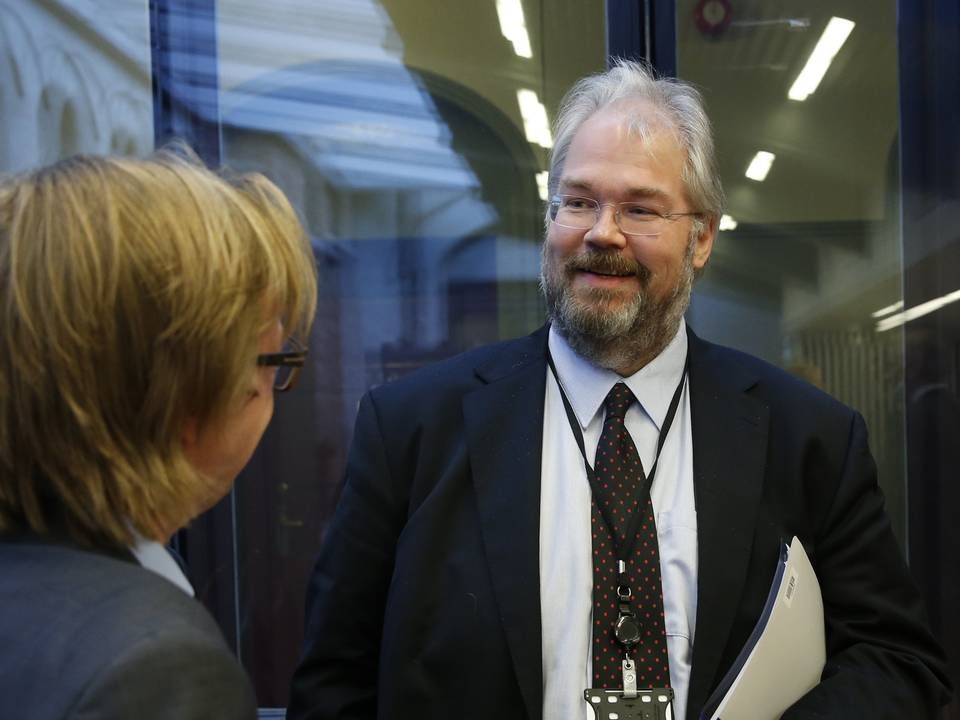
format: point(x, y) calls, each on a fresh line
point(652, 704)
point(630, 703)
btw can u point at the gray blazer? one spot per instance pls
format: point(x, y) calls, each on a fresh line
point(89, 636)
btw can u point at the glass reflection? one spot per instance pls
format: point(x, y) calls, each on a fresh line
point(811, 247)
point(410, 137)
point(75, 78)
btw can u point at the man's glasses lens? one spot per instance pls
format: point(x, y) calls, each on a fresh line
point(583, 213)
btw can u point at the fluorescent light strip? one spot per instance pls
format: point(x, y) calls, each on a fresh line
point(727, 223)
point(760, 165)
point(898, 305)
point(917, 311)
point(542, 183)
point(829, 44)
point(535, 123)
point(514, 26)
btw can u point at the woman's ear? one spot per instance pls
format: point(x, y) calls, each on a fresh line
point(189, 436)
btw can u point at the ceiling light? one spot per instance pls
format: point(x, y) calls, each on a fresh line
point(760, 165)
point(917, 311)
point(827, 47)
point(888, 309)
point(542, 178)
point(727, 223)
point(535, 123)
point(514, 27)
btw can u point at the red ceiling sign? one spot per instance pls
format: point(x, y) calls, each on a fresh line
point(712, 16)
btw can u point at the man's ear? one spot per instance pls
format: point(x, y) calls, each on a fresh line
point(703, 245)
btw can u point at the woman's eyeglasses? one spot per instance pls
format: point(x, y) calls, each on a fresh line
point(288, 364)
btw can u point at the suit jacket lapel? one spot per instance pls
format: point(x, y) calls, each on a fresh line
point(729, 450)
point(504, 424)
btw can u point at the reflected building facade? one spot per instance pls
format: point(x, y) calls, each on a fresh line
point(75, 78)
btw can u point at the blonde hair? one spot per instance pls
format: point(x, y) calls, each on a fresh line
point(132, 297)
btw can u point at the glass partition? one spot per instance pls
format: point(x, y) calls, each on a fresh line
point(412, 137)
point(807, 270)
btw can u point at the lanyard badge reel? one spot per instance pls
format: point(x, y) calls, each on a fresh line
point(630, 703)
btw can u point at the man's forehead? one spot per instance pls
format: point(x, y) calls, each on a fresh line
point(576, 184)
point(627, 128)
point(622, 134)
point(640, 119)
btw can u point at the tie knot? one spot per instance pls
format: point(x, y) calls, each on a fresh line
point(618, 400)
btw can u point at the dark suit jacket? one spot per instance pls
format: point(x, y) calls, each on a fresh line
point(86, 636)
point(425, 599)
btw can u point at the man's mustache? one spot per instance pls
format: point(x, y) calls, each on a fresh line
point(603, 263)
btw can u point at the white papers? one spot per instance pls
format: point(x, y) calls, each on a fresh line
point(785, 654)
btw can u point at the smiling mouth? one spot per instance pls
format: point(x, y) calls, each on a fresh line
point(602, 275)
point(602, 265)
point(608, 274)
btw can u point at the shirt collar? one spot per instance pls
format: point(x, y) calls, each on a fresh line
point(155, 557)
point(586, 385)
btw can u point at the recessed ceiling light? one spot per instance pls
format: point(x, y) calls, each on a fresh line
point(542, 178)
point(727, 223)
point(829, 44)
point(916, 311)
point(760, 165)
point(888, 309)
point(514, 26)
point(535, 123)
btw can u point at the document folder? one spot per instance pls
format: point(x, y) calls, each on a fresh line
point(784, 656)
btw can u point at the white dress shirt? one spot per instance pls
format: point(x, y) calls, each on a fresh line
point(155, 557)
point(566, 565)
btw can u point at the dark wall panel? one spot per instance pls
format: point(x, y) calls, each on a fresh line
point(929, 38)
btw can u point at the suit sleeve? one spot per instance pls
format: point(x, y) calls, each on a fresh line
point(882, 662)
point(177, 674)
point(338, 672)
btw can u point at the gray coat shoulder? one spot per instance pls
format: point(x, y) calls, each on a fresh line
point(93, 636)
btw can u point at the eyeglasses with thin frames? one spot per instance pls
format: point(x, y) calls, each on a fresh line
point(288, 363)
point(633, 218)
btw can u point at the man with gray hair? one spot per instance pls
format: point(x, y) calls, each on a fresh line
point(601, 505)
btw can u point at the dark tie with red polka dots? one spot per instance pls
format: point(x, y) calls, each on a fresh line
point(619, 476)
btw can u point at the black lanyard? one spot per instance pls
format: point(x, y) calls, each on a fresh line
point(625, 547)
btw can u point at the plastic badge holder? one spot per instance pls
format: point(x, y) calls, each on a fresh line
point(652, 704)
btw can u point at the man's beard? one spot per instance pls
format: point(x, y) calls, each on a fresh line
point(598, 323)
